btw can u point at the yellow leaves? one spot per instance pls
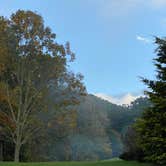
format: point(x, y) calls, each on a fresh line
point(7, 95)
point(68, 118)
point(49, 124)
point(6, 120)
point(64, 121)
point(3, 56)
point(3, 94)
point(6, 45)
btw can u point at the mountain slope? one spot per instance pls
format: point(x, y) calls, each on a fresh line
point(110, 119)
point(92, 130)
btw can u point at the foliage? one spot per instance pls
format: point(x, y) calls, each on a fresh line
point(131, 150)
point(151, 127)
point(99, 118)
point(87, 131)
point(32, 65)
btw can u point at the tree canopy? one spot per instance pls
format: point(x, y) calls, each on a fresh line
point(32, 65)
point(151, 127)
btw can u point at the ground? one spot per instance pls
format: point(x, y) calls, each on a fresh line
point(98, 163)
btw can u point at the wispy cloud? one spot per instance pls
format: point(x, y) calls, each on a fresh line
point(125, 99)
point(143, 39)
point(114, 8)
point(158, 3)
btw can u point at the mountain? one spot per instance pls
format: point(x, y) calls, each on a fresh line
point(92, 130)
point(98, 116)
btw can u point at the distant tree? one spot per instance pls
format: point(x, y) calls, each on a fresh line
point(32, 65)
point(131, 150)
point(151, 127)
point(91, 141)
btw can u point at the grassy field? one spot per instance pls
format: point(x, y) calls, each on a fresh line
point(99, 163)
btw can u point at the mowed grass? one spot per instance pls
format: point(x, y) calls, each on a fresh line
point(98, 163)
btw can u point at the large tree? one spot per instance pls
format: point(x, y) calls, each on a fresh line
point(33, 66)
point(151, 128)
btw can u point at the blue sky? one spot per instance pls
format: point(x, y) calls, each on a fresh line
point(112, 39)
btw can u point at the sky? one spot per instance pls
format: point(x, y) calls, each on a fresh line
point(113, 39)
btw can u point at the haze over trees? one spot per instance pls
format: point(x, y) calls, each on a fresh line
point(92, 130)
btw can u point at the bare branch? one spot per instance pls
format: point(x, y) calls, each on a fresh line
point(29, 134)
point(10, 105)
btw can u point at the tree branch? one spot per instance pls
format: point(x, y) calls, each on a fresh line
point(10, 105)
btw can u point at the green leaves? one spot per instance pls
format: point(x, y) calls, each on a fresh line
point(151, 128)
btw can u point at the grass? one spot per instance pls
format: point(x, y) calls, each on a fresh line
point(98, 163)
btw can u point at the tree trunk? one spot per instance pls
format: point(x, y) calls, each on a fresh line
point(17, 152)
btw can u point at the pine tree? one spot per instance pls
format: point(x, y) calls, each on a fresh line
point(151, 127)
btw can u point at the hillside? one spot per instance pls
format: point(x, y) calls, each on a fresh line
point(110, 118)
point(92, 130)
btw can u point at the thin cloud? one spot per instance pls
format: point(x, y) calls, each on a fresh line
point(123, 100)
point(143, 39)
point(114, 8)
point(158, 3)
point(121, 8)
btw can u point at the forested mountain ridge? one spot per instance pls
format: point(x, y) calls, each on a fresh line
point(116, 118)
point(92, 130)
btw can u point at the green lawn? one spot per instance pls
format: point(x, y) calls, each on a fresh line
point(99, 163)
